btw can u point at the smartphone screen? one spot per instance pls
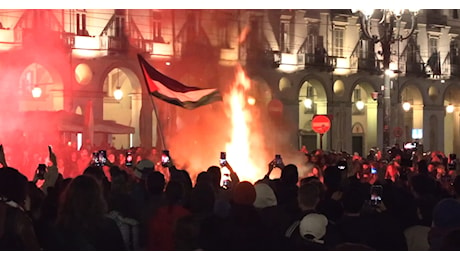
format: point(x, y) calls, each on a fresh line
point(226, 180)
point(376, 194)
point(129, 159)
point(165, 159)
point(223, 158)
point(278, 160)
point(373, 170)
point(410, 146)
point(102, 157)
point(99, 158)
point(41, 170)
point(95, 159)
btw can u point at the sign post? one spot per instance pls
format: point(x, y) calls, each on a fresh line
point(321, 124)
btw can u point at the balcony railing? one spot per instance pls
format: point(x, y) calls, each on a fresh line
point(7, 40)
point(135, 36)
point(454, 63)
point(362, 60)
point(159, 49)
point(446, 66)
point(411, 62)
point(319, 59)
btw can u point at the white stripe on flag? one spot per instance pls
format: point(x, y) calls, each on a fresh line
point(192, 96)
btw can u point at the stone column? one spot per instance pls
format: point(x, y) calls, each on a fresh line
point(340, 132)
point(433, 128)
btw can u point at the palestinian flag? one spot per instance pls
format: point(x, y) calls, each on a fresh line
point(174, 92)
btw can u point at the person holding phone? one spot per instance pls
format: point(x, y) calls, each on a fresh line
point(51, 174)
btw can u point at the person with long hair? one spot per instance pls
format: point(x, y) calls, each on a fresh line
point(82, 222)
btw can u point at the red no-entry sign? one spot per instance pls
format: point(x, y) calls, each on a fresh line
point(320, 124)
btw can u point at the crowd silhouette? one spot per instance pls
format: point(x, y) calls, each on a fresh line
point(403, 200)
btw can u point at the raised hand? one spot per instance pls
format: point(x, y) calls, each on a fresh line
point(52, 156)
point(2, 157)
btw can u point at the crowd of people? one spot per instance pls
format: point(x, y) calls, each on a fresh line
point(403, 200)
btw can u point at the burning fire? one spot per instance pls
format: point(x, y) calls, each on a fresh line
point(245, 151)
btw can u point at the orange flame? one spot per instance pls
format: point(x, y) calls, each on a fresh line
point(245, 149)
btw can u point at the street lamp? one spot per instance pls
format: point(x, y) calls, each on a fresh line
point(118, 93)
point(386, 32)
point(36, 92)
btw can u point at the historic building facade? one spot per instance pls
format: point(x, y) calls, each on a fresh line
point(84, 62)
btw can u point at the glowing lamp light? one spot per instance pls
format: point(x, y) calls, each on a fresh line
point(36, 92)
point(118, 93)
point(450, 108)
point(308, 103)
point(406, 106)
point(360, 105)
point(251, 101)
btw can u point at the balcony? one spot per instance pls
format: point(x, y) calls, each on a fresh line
point(7, 39)
point(364, 59)
point(320, 60)
point(228, 56)
point(45, 38)
point(454, 60)
point(411, 62)
point(159, 49)
point(86, 46)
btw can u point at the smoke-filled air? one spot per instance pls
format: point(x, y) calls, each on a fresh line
point(237, 126)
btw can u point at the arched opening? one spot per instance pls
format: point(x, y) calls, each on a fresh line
point(364, 115)
point(40, 89)
point(312, 100)
point(452, 120)
point(123, 109)
point(412, 113)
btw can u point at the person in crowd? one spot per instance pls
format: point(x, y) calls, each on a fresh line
point(145, 209)
point(203, 229)
point(244, 227)
point(82, 221)
point(223, 193)
point(161, 225)
point(17, 231)
point(446, 218)
point(122, 208)
point(395, 151)
point(392, 171)
point(330, 204)
point(308, 232)
point(155, 184)
point(317, 172)
point(371, 156)
point(351, 225)
point(272, 216)
point(84, 160)
point(307, 165)
point(285, 187)
point(312, 229)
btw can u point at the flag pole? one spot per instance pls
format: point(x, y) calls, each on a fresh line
point(160, 128)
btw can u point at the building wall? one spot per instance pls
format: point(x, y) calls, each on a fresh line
point(226, 37)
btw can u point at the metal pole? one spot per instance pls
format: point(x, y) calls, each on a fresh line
point(147, 95)
point(387, 110)
point(321, 141)
point(160, 128)
point(386, 42)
